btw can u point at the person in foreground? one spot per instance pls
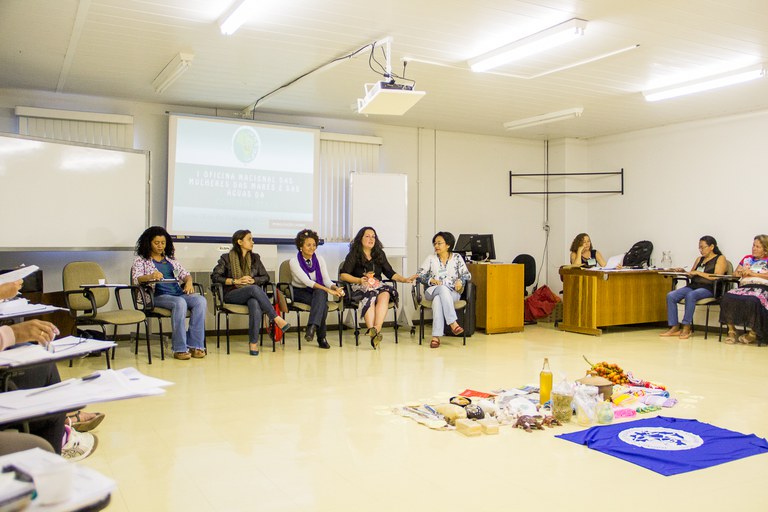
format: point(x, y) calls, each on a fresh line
point(156, 266)
point(363, 268)
point(583, 254)
point(243, 276)
point(50, 433)
point(703, 274)
point(445, 275)
point(747, 305)
point(311, 284)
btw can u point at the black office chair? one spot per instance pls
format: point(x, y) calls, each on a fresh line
point(352, 304)
point(462, 305)
point(529, 262)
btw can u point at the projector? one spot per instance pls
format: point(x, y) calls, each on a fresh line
point(388, 99)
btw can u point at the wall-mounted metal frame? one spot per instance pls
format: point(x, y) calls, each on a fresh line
point(566, 174)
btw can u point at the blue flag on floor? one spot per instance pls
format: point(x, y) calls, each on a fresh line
point(670, 445)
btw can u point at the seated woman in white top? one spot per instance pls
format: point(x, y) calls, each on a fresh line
point(312, 284)
point(445, 275)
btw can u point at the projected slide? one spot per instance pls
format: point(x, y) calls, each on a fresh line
point(225, 175)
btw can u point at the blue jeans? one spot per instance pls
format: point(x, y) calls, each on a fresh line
point(184, 339)
point(258, 304)
point(443, 313)
point(317, 299)
point(691, 296)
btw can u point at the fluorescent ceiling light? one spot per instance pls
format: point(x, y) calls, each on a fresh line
point(560, 115)
point(704, 84)
point(236, 16)
point(536, 43)
point(170, 73)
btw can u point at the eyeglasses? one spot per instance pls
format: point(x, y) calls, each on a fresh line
point(53, 349)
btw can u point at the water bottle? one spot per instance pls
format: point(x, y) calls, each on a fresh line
point(666, 259)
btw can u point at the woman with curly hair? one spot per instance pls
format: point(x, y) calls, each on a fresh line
point(363, 268)
point(311, 284)
point(173, 288)
point(583, 254)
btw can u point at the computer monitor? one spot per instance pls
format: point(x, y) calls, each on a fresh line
point(481, 247)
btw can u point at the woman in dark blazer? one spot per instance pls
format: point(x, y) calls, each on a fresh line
point(242, 274)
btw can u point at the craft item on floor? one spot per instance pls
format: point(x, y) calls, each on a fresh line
point(469, 427)
point(471, 393)
point(460, 400)
point(550, 421)
point(624, 412)
point(474, 412)
point(658, 400)
point(451, 412)
point(511, 406)
point(424, 416)
point(529, 423)
point(488, 406)
point(670, 446)
point(643, 409)
point(489, 425)
point(584, 401)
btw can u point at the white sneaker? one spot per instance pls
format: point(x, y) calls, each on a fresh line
point(79, 445)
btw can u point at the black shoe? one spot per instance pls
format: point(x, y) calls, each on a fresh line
point(309, 335)
point(323, 343)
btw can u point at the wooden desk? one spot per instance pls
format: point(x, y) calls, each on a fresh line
point(500, 295)
point(600, 298)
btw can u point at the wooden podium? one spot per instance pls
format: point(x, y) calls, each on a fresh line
point(601, 298)
point(500, 295)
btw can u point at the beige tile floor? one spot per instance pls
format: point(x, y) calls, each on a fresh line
point(311, 430)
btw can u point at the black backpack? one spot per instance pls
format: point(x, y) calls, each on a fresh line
point(639, 255)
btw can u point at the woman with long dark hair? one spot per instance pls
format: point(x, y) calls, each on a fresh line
point(703, 274)
point(243, 276)
point(747, 305)
point(172, 283)
point(363, 268)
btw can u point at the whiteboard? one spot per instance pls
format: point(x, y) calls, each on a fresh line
point(60, 195)
point(381, 201)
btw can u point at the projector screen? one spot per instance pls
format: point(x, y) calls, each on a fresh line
point(225, 175)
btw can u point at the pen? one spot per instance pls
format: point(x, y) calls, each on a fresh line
point(64, 383)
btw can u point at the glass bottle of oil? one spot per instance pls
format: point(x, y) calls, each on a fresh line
point(545, 382)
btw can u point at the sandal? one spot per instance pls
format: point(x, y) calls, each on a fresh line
point(79, 423)
point(435, 342)
point(376, 337)
point(685, 334)
point(251, 351)
point(730, 338)
point(673, 331)
point(456, 330)
point(748, 338)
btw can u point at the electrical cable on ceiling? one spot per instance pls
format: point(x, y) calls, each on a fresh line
point(371, 58)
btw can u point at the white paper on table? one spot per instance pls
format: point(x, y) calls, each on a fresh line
point(19, 273)
point(67, 346)
point(110, 385)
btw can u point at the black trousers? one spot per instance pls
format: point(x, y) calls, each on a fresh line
point(50, 428)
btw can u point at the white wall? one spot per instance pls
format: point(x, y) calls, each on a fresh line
point(683, 182)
